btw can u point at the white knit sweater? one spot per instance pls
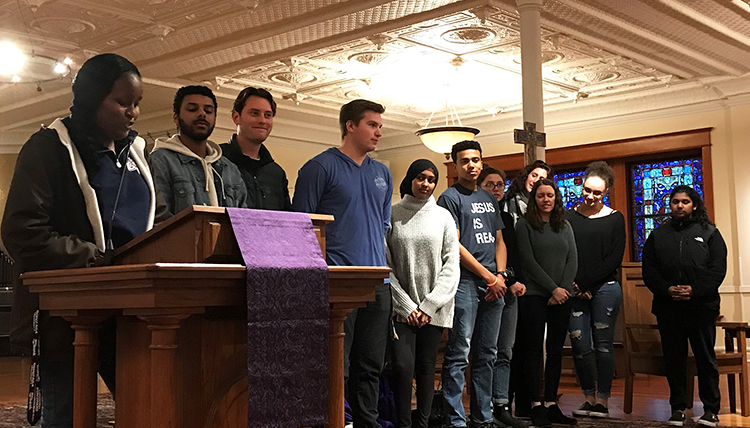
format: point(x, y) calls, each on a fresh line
point(422, 251)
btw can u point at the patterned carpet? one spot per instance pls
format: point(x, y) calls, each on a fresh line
point(15, 417)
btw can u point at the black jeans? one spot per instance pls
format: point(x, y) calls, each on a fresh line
point(367, 356)
point(414, 355)
point(533, 314)
point(676, 330)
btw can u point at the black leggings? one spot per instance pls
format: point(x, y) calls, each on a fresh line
point(414, 356)
point(533, 314)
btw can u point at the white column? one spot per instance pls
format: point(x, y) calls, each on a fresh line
point(531, 68)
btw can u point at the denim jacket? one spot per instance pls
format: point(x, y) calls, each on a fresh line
point(181, 178)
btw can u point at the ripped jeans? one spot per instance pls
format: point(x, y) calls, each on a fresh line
point(592, 332)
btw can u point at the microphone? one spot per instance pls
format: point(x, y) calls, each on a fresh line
point(109, 245)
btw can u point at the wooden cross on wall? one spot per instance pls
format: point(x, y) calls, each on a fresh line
point(530, 139)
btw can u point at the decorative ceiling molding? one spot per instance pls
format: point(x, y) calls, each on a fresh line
point(606, 55)
point(266, 31)
point(337, 39)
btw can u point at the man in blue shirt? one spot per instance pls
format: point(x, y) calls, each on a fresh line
point(356, 190)
point(478, 302)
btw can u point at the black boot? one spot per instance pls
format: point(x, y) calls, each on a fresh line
point(556, 416)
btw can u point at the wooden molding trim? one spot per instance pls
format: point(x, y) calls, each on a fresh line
point(562, 157)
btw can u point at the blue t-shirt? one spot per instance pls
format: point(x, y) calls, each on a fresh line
point(359, 198)
point(478, 220)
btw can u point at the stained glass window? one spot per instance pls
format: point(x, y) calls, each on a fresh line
point(571, 187)
point(651, 186)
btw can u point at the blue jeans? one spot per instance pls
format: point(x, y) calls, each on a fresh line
point(592, 333)
point(505, 341)
point(476, 324)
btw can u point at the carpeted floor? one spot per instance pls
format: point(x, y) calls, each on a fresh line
point(15, 417)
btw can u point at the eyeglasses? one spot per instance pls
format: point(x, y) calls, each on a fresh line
point(492, 186)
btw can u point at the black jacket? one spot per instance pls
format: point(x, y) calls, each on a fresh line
point(685, 253)
point(52, 222)
point(266, 182)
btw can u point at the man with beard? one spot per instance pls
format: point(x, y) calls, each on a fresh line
point(189, 169)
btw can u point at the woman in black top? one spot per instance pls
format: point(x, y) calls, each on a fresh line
point(600, 239)
point(684, 263)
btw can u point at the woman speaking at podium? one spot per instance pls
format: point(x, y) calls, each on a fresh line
point(80, 189)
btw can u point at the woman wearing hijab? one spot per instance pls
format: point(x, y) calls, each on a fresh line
point(80, 186)
point(422, 251)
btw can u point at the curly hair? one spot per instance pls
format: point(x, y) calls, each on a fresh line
point(518, 185)
point(602, 170)
point(700, 214)
point(558, 214)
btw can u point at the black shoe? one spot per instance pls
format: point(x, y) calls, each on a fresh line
point(584, 410)
point(487, 424)
point(523, 410)
point(503, 418)
point(677, 419)
point(599, 411)
point(556, 416)
point(709, 419)
point(539, 418)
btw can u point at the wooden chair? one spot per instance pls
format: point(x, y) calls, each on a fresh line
point(643, 344)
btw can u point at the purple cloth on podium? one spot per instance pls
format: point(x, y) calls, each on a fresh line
point(287, 318)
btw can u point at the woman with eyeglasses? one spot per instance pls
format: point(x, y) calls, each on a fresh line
point(600, 239)
point(493, 181)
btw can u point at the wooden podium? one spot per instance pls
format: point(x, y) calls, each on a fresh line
point(178, 293)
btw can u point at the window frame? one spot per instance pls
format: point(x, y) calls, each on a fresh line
point(620, 154)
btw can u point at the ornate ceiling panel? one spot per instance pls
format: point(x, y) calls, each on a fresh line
point(414, 55)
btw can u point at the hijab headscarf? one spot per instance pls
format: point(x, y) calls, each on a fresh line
point(415, 169)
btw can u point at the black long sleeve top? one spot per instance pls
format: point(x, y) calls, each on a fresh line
point(601, 244)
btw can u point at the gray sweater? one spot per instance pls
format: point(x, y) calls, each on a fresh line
point(422, 251)
point(548, 259)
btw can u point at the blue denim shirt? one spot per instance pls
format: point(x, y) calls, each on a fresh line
point(182, 181)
